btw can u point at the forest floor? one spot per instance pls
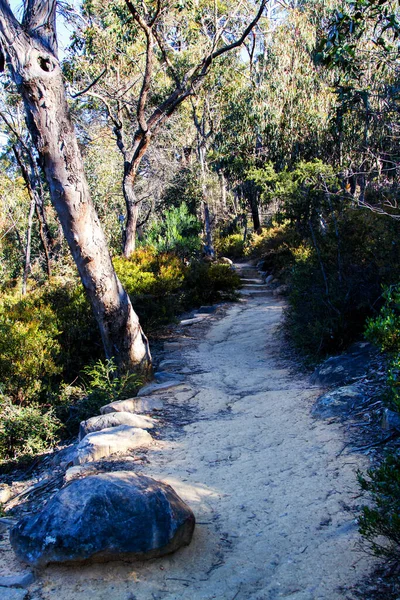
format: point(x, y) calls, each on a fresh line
point(274, 493)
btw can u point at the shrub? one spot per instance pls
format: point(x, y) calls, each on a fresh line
point(380, 525)
point(178, 231)
point(231, 246)
point(29, 347)
point(26, 429)
point(103, 386)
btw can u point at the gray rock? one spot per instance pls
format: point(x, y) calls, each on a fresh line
point(390, 420)
point(170, 363)
point(207, 310)
point(269, 279)
point(172, 346)
point(12, 594)
point(100, 444)
point(338, 401)
point(114, 420)
point(20, 580)
point(110, 516)
point(78, 471)
point(162, 376)
point(134, 405)
point(193, 321)
point(153, 388)
point(5, 493)
point(225, 261)
point(339, 370)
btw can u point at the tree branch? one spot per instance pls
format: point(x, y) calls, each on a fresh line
point(40, 22)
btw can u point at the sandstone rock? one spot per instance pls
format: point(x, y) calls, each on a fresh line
point(172, 346)
point(170, 364)
point(114, 420)
point(390, 420)
point(5, 493)
point(134, 405)
point(162, 376)
point(12, 594)
point(78, 471)
point(338, 401)
point(100, 444)
point(339, 370)
point(20, 580)
point(225, 261)
point(269, 279)
point(110, 516)
point(153, 388)
point(192, 321)
point(208, 309)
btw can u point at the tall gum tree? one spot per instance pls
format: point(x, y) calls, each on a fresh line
point(29, 50)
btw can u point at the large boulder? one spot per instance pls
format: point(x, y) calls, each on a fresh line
point(346, 368)
point(101, 444)
point(110, 516)
point(114, 420)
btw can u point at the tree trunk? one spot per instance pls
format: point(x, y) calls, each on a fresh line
point(36, 72)
point(132, 215)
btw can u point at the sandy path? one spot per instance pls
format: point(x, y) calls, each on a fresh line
point(272, 501)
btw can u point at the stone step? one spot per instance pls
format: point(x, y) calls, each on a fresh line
point(255, 286)
point(258, 293)
point(256, 280)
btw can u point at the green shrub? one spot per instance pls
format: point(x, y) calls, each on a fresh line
point(380, 525)
point(231, 246)
point(177, 231)
point(26, 430)
point(29, 347)
point(103, 386)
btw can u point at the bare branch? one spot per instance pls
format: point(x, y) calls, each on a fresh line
point(93, 83)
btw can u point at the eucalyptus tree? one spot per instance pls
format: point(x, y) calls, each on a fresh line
point(29, 51)
point(179, 44)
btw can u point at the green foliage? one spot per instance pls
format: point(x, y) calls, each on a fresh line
point(26, 429)
point(104, 385)
point(185, 188)
point(231, 246)
point(162, 285)
point(178, 231)
point(384, 331)
point(29, 348)
point(380, 525)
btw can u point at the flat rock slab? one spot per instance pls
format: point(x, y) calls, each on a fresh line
point(100, 444)
point(338, 401)
point(193, 321)
point(20, 580)
point(172, 346)
point(163, 376)
point(339, 370)
point(110, 516)
point(153, 388)
point(114, 420)
point(134, 405)
point(12, 594)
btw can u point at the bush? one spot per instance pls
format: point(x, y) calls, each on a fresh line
point(26, 430)
point(231, 246)
point(162, 285)
point(177, 231)
point(103, 386)
point(337, 283)
point(29, 347)
point(380, 525)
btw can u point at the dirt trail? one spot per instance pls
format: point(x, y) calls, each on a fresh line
point(272, 499)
